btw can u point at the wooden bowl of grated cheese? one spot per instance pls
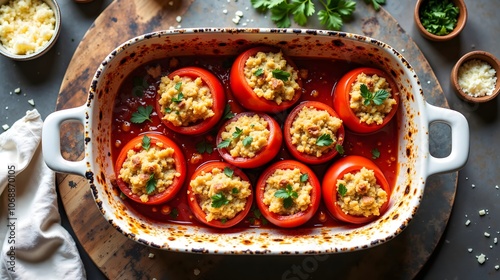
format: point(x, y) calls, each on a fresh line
point(28, 28)
point(476, 77)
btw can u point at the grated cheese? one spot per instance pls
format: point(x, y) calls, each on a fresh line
point(477, 78)
point(26, 26)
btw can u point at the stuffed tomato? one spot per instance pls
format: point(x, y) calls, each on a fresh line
point(263, 79)
point(190, 100)
point(366, 99)
point(219, 194)
point(355, 190)
point(249, 139)
point(313, 132)
point(288, 193)
point(150, 169)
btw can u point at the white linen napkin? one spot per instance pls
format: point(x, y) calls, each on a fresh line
point(34, 244)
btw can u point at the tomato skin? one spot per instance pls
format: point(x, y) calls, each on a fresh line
point(265, 155)
point(336, 171)
point(245, 95)
point(341, 100)
point(297, 219)
point(218, 95)
point(303, 157)
point(180, 166)
point(195, 207)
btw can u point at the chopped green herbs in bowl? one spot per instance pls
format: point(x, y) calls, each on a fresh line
point(440, 20)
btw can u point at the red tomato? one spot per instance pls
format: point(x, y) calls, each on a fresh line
point(245, 95)
point(266, 154)
point(180, 166)
point(218, 95)
point(193, 199)
point(350, 164)
point(304, 157)
point(341, 100)
point(299, 218)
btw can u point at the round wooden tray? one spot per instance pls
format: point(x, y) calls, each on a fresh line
point(119, 257)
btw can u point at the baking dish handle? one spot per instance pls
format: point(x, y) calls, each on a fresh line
point(51, 142)
point(459, 140)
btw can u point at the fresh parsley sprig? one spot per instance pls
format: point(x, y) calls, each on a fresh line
point(377, 97)
point(376, 3)
point(219, 200)
point(142, 114)
point(287, 194)
point(439, 17)
point(331, 15)
point(324, 140)
point(151, 184)
point(226, 142)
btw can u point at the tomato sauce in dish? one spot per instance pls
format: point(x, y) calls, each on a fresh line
point(319, 77)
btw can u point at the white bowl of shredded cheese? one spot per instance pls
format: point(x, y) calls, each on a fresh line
point(28, 28)
point(476, 76)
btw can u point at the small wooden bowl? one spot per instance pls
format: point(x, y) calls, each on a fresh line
point(480, 55)
point(462, 19)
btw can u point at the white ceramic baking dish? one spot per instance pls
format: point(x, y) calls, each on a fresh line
point(416, 163)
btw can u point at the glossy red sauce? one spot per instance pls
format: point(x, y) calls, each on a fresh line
point(139, 89)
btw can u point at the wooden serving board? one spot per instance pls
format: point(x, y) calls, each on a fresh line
point(118, 257)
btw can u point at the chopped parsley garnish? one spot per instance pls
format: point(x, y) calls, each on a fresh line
point(340, 149)
point(146, 142)
point(247, 141)
point(142, 114)
point(287, 194)
point(228, 172)
point(227, 112)
point(151, 184)
point(439, 17)
point(204, 147)
point(258, 72)
point(304, 177)
point(375, 153)
point(236, 134)
point(324, 140)
point(178, 97)
point(342, 190)
point(281, 75)
point(178, 86)
point(219, 200)
point(174, 213)
point(377, 98)
point(235, 191)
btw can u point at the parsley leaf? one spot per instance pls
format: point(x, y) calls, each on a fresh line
point(174, 213)
point(204, 147)
point(340, 149)
point(224, 143)
point(247, 141)
point(281, 75)
point(237, 132)
point(258, 72)
point(151, 184)
point(146, 142)
point(228, 172)
point(375, 153)
point(142, 114)
point(304, 177)
point(227, 112)
point(178, 97)
point(288, 194)
point(377, 98)
point(376, 3)
point(219, 200)
point(342, 190)
point(334, 13)
point(235, 191)
point(324, 140)
point(178, 86)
